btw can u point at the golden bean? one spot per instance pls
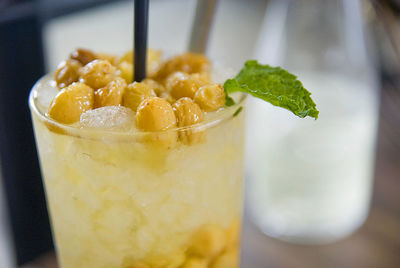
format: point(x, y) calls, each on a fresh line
point(182, 85)
point(229, 259)
point(125, 70)
point(84, 56)
point(155, 114)
point(127, 57)
point(172, 260)
point(67, 73)
point(97, 74)
point(194, 262)
point(129, 262)
point(71, 102)
point(137, 265)
point(188, 113)
point(153, 60)
point(166, 96)
point(111, 94)
point(233, 235)
point(157, 87)
point(188, 63)
point(108, 57)
point(208, 242)
point(135, 93)
point(210, 97)
point(203, 77)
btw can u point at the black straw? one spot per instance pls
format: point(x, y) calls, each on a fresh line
point(141, 19)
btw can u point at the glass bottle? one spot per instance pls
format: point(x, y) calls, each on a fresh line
point(310, 181)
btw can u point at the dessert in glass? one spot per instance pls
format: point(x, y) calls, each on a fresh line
point(140, 174)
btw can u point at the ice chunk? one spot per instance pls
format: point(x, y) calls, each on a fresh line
point(109, 117)
point(47, 91)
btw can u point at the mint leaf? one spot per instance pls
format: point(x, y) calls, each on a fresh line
point(274, 85)
point(228, 100)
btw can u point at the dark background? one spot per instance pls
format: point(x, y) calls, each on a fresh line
point(21, 64)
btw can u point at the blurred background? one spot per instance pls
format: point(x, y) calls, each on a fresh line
point(319, 193)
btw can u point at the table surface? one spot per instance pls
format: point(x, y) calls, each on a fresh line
point(375, 244)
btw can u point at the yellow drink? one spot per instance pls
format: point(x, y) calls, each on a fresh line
point(117, 200)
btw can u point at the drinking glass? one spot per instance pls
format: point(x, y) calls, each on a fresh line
point(121, 199)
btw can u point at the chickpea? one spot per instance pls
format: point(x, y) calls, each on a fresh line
point(127, 57)
point(157, 87)
point(175, 259)
point(233, 234)
point(227, 259)
point(134, 264)
point(138, 265)
point(183, 85)
point(210, 97)
point(97, 74)
point(208, 242)
point(130, 262)
point(195, 63)
point(174, 78)
point(188, 63)
point(67, 73)
point(172, 260)
point(166, 96)
point(203, 77)
point(135, 93)
point(111, 94)
point(72, 101)
point(155, 114)
point(153, 60)
point(125, 70)
point(188, 113)
point(108, 57)
point(82, 55)
point(194, 262)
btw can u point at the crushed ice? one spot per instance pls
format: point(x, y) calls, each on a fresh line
point(44, 96)
point(108, 117)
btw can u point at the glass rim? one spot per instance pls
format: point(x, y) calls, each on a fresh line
point(223, 115)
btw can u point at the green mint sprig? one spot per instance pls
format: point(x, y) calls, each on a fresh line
point(274, 85)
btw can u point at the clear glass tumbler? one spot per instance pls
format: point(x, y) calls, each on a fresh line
point(117, 200)
point(310, 181)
